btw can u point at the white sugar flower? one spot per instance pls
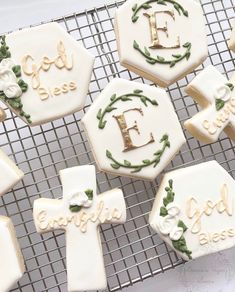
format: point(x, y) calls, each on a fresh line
point(8, 80)
point(166, 224)
point(80, 199)
point(12, 90)
point(172, 209)
point(7, 63)
point(223, 92)
point(176, 233)
point(6, 76)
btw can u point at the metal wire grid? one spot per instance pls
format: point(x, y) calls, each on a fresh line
point(132, 252)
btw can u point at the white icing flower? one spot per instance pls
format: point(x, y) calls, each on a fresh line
point(166, 224)
point(172, 209)
point(80, 199)
point(176, 233)
point(6, 76)
point(223, 92)
point(7, 64)
point(8, 80)
point(12, 90)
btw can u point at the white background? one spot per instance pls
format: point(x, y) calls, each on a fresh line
point(215, 273)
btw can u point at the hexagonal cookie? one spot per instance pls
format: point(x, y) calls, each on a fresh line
point(44, 73)
point(194, 210)
point(133, 129)
point(165, 41)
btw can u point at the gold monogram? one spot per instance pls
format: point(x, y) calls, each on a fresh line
point(125, 130)
point(154, 29)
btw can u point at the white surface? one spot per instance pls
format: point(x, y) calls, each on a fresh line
point(215, 273)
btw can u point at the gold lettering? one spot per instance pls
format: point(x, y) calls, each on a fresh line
point(72, 85)
point(231, 232)
point(223, 235)
point(216, 237)
point(42, 220)
point(156, 43)
point(125, 131)
point(65, 88)
point(193, 211)
point(60, 61)
point(57, 91)
point(80, 219)
point(221, 118)
point(43, 93)
point(203, 239)
point(223, 205)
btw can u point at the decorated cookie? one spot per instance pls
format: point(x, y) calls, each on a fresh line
point(80, 213)
point(133, 129)
point(216, 95)
point(47, 79)
point(10, 174)
point(231, 42)
point(166, 39)
point(11, 260)
point(194, 210)
point(2, 115)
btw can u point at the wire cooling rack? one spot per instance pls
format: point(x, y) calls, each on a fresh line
point(132, 252)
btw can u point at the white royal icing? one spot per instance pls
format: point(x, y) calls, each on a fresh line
point(132, 130)
point(171, 28)
point(83, 247)
point(223, 92)
point(11, 260)
point(56, 68)
point(173, 209)
point(8, 81)
point(176, 233)
point(207, 88)
point(205, 195)
point(10, 174)
point(80, 199)
point(166, 224)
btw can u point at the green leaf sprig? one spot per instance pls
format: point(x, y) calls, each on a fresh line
point(145, 163)
point(146, 5)
point(176, 58)
point(179, 244)
point(127, 97)
point(4, 49)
